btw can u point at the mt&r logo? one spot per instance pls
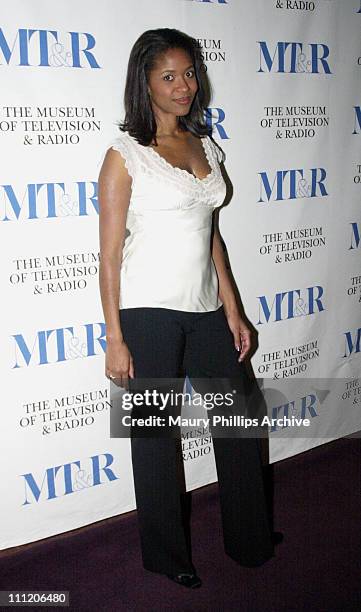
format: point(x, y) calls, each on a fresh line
point(294, 57)
point(48, 48)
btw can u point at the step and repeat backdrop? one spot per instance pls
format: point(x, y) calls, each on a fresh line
point(286, 110)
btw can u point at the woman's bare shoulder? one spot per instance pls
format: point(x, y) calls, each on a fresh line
point(118, 158)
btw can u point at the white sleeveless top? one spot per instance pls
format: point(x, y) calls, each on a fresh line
point(167, 260)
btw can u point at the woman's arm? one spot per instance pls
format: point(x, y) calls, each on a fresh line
point(114, 196)
point(240, 331)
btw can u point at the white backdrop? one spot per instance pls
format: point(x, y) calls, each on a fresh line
point(286, 110)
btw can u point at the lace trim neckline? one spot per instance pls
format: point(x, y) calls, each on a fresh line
point(176, 169)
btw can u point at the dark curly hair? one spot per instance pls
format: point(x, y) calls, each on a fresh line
point(139, 119)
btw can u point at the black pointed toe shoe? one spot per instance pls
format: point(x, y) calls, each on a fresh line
point(191, 581)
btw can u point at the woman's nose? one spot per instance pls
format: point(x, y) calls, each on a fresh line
point(182, 85)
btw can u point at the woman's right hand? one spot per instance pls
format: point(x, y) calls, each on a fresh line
point(118, 362)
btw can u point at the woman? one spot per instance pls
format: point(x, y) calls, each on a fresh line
point(171, 310)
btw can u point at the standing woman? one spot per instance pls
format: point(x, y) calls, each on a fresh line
point(167, 298)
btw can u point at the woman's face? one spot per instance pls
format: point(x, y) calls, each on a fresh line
point(172, 83)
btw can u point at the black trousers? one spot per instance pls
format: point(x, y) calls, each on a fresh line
point(168, 344)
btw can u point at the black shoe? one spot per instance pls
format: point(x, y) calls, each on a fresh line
point(191, 581)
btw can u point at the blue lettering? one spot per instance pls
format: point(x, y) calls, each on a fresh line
point(315, 182)
point(75, 47)
point(41, 341)
point(14, 202)
point(297, 57)
point(293, 192)
point(106, 469)
point(50, 196)
point(75, 347)
point(36, 491)
point(23, 40)
point(51, 473)
point(264, 52)
point(22, 36)
point(68, 477)
point(313, 302)
point(268, 188)
point(276, 410)
point(89, 327)
point(6, 51)
point(267, 311)
point(43, 41)
point(315, 59)
point(350, 345)
point(355, 236)
point(211, 123)
point(308, 407)
point(294, 56)
point(83, 197)
point(357, 120)
point(55, 196)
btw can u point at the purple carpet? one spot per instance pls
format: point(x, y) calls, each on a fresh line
point(316, 498)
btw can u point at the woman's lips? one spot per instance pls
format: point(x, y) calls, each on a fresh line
point(185, 100)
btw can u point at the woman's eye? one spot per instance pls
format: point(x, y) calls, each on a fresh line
point(190, 73)
point(168, 77)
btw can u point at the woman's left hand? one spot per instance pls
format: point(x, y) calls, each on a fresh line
point(241, 334)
